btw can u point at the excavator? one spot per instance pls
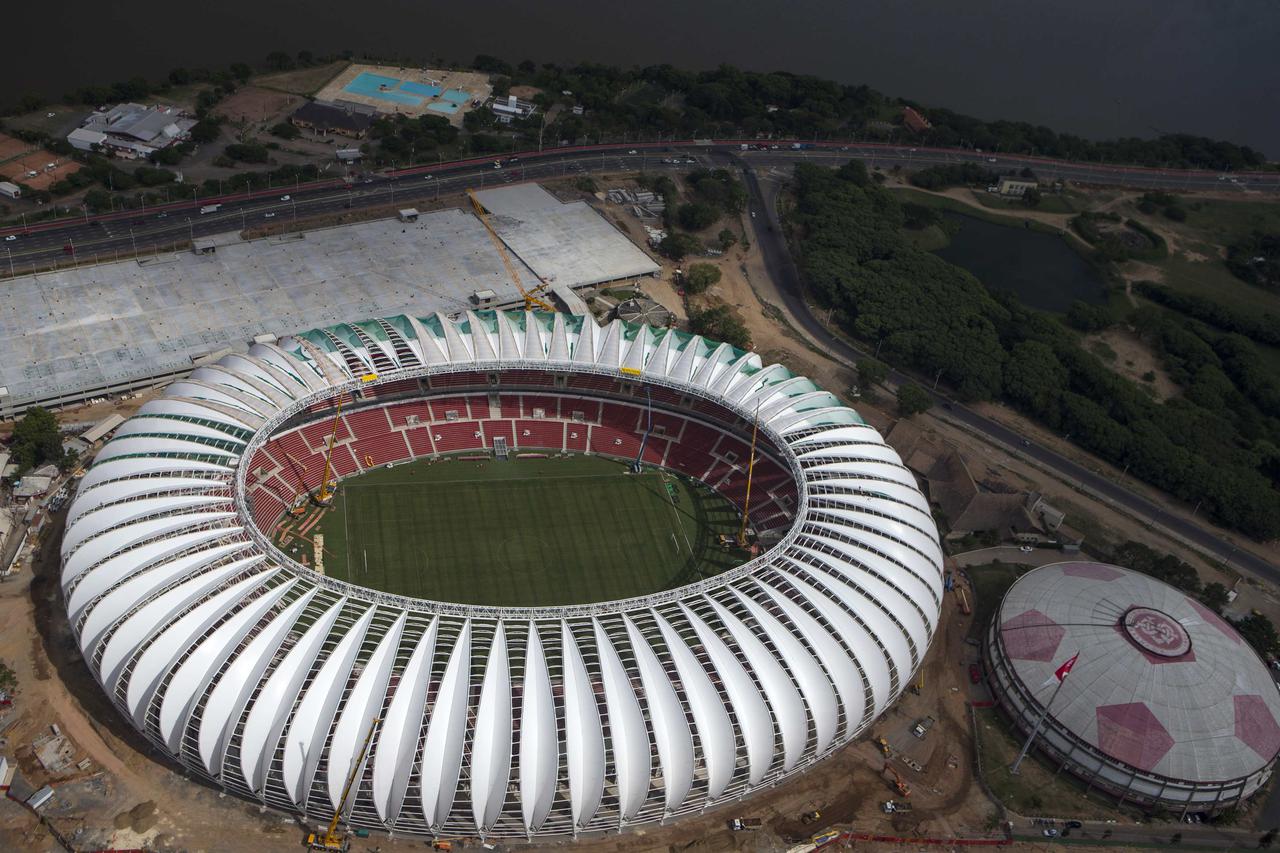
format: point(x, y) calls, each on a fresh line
point(899, 783)
point(331, 840)
point(532, 299)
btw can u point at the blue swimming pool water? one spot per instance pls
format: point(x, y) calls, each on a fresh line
point(369, 84)
point(443, 107)
point(419, 89)
point(456, 96)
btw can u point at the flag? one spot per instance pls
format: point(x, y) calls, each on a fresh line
point(1061, 672)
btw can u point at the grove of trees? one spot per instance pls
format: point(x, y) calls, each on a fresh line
point(1217, 443)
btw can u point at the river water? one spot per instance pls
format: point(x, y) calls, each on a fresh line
point(1092, 67)
point(1038, 268)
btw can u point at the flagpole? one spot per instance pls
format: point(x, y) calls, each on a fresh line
point(1035, 730)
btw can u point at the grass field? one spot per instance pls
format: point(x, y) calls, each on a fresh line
point(523, 532)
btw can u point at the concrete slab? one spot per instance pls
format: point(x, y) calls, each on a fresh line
point(96, 329)
point(567, 244)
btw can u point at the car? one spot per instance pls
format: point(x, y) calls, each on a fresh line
point(162, 215)
point(1026, 549)
point(427, 177)
point(268, 215)
point(975, 673)
point(690, 161)
point(753, 214)
point(50, 115)
point(513, 160)
point(1026, 442)
point(633, 151)
point(11, 238)
point(991, 159)
point(1050, 833)
point(497, 164)
point(1074, 824)
point(93, 223)
point(912, 150)
point(285, 197)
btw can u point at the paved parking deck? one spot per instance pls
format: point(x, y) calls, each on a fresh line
point(85, 331)
point(106, 326)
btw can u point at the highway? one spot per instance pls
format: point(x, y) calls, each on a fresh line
point(786, 279)
point(84, 239)
point(118, 235)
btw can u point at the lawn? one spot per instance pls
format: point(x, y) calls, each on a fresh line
point(990, 582)
point(1038, 789)
point(522, 532)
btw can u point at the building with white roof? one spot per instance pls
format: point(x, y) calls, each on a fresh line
point(264, 676)
point(1167, 707)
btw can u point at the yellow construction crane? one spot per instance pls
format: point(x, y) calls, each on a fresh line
point(751, 467)
point(325, 495)
point(331, 840)
point(531, 298)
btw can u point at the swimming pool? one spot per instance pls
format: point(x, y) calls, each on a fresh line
point(443, 107)
point(419, 89)
point(456, 96)
point(370, 85)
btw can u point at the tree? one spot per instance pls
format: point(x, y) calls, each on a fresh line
point(1214, 596)
point(727, 239)
point(8, 679)
point(1032, 197)
point(871, 372)
point(241, 71)
point(278, 60)
point(720, 324)
point(677, 246)
point(285, 130)
point(1267, 839)
point(205, 130)
point(912, 400)
point(700, 276)
point(695, 216)
point(36, 439)
point(1260, 633)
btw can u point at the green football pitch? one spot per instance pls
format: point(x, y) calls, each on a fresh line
point(521, 532)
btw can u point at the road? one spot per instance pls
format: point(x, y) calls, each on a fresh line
point(87, 239)
point(785, 278)
point(76, 239)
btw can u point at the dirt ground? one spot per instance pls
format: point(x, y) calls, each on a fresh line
point(256, 105)
point(35, 160)
point(11, 147)
point(302, 81)
point(1133, 359)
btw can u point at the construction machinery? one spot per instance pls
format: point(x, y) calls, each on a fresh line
point(751, 467)
point(325, 494)
point(331, 840)
point(884, 746)
point(531, 298)
point(899, 783)
point(811, 817)
point(297, 507)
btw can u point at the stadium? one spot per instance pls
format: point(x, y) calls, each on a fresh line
point(1166, 708)
point(549, 704)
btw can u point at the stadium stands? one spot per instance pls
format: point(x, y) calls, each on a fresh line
point(382, 433)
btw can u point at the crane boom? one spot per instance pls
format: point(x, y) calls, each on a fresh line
point(751, 467)
point(531, 298)
point(325, 494)
point(331, 840)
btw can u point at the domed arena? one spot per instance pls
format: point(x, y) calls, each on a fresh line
point(1167, 707)
point(295, 571)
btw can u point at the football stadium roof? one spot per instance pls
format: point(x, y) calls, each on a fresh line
point(265, 676)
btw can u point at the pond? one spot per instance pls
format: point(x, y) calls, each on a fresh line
point(1040, 269)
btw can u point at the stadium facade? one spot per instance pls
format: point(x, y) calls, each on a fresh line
point(264, 676)
point(1167, 707)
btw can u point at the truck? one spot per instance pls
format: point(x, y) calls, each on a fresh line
point(921, 728)
point(210, 208)
point(745, 824)
point(800, 146)
point(892, 806)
